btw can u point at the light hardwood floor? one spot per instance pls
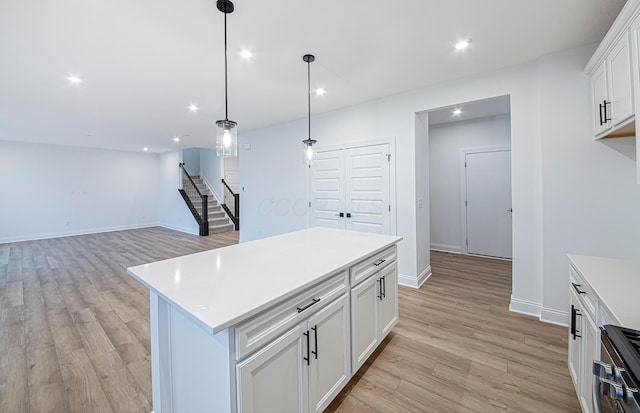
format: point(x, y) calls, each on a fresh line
point(74, 334)
point(457, 348)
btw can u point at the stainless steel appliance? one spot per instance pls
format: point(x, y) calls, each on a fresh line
point(615, 388)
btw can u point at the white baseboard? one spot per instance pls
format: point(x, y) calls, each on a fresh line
point(525, 307)
point(61, 234)
point(553, 316)
point(414, 282)
point(181, 229)
point(454, 249)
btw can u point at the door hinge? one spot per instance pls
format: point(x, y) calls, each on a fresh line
point(309, 204)
point(465, 164)
point(389, 208)
point(465, 203)
point(467, 243)
point(388, 157)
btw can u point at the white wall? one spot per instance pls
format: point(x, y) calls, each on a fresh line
point(272, 170)
point(423, 236)
point(211, 170)
point(191, 159)
point(55, 190)
point(446, 143)
point(172, 210)
point(272, 173)
point(591, 201)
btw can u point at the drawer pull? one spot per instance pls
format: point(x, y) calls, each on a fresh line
point(315, 300)
point(380, 261)
point(308, 358)
point(315, 338)
point(575, 287)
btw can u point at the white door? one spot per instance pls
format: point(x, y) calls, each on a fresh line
point(327, 190)
point(275, 378)
point(600, 94)
point(330, 346)
point(350, 188)
point(367, 189)
point(621, 92)
point(488, 206)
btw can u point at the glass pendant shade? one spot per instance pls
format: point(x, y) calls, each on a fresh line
point(226, 138)
point(309, 152)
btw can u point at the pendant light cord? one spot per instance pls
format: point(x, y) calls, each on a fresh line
point(309, 94)
point(226, 103)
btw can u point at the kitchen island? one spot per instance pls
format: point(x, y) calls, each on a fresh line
point(278, 324)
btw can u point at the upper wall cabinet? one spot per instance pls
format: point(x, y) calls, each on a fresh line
point(614, 70)
point(612, 92)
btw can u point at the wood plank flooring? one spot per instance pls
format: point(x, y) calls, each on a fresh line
point(457, 348)
point(74, 326)
point(74, 334)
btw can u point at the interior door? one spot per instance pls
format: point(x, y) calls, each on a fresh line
point(327, 189)
point(367, 189)
point(488, 206)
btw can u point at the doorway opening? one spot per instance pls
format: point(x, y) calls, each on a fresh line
point(469, 152)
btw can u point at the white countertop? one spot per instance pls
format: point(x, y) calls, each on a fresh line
point(222, 287)
point(616, 283)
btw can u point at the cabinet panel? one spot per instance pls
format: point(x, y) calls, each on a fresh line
point(389, 303)
point(275, 379)
point(575, 341)
point(599, 95)
point(330, 367)
point(590, 352)
point(364, 320)
point(621, 83)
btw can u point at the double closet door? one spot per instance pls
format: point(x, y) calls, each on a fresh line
point(350, 189)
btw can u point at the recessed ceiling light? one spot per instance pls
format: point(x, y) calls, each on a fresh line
point(74, 79)
point(320, 91)
point(176, 139)
point(145, 149)
point(193, 107)
point(463, 44)
point(246, 54)
point(457, 111)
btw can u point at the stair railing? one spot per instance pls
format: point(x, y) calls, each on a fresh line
point(231, 203)
point(203, 217)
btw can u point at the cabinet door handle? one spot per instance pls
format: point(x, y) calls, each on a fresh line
point(384, 287)
point(575, 287)
point(380, 261)
point(606, 117)
point(380, 288)
point(315, 339)
point(574, 329)
point(315, 300)
point(600, 107)
point(308, 358)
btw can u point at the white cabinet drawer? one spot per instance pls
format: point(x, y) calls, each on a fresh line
point(365, 268)
point(584, 292)
point(255, 333)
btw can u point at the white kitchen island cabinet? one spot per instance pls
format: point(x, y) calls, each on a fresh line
point(267, 325)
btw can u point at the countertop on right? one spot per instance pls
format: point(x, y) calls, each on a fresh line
point(616, 283)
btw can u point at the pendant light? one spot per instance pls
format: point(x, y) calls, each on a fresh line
point(308, 143)
point(227, 130)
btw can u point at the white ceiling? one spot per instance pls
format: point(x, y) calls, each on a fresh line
point(471, 110)
point(144, 61)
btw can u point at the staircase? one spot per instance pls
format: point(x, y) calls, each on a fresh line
point(218, 220)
